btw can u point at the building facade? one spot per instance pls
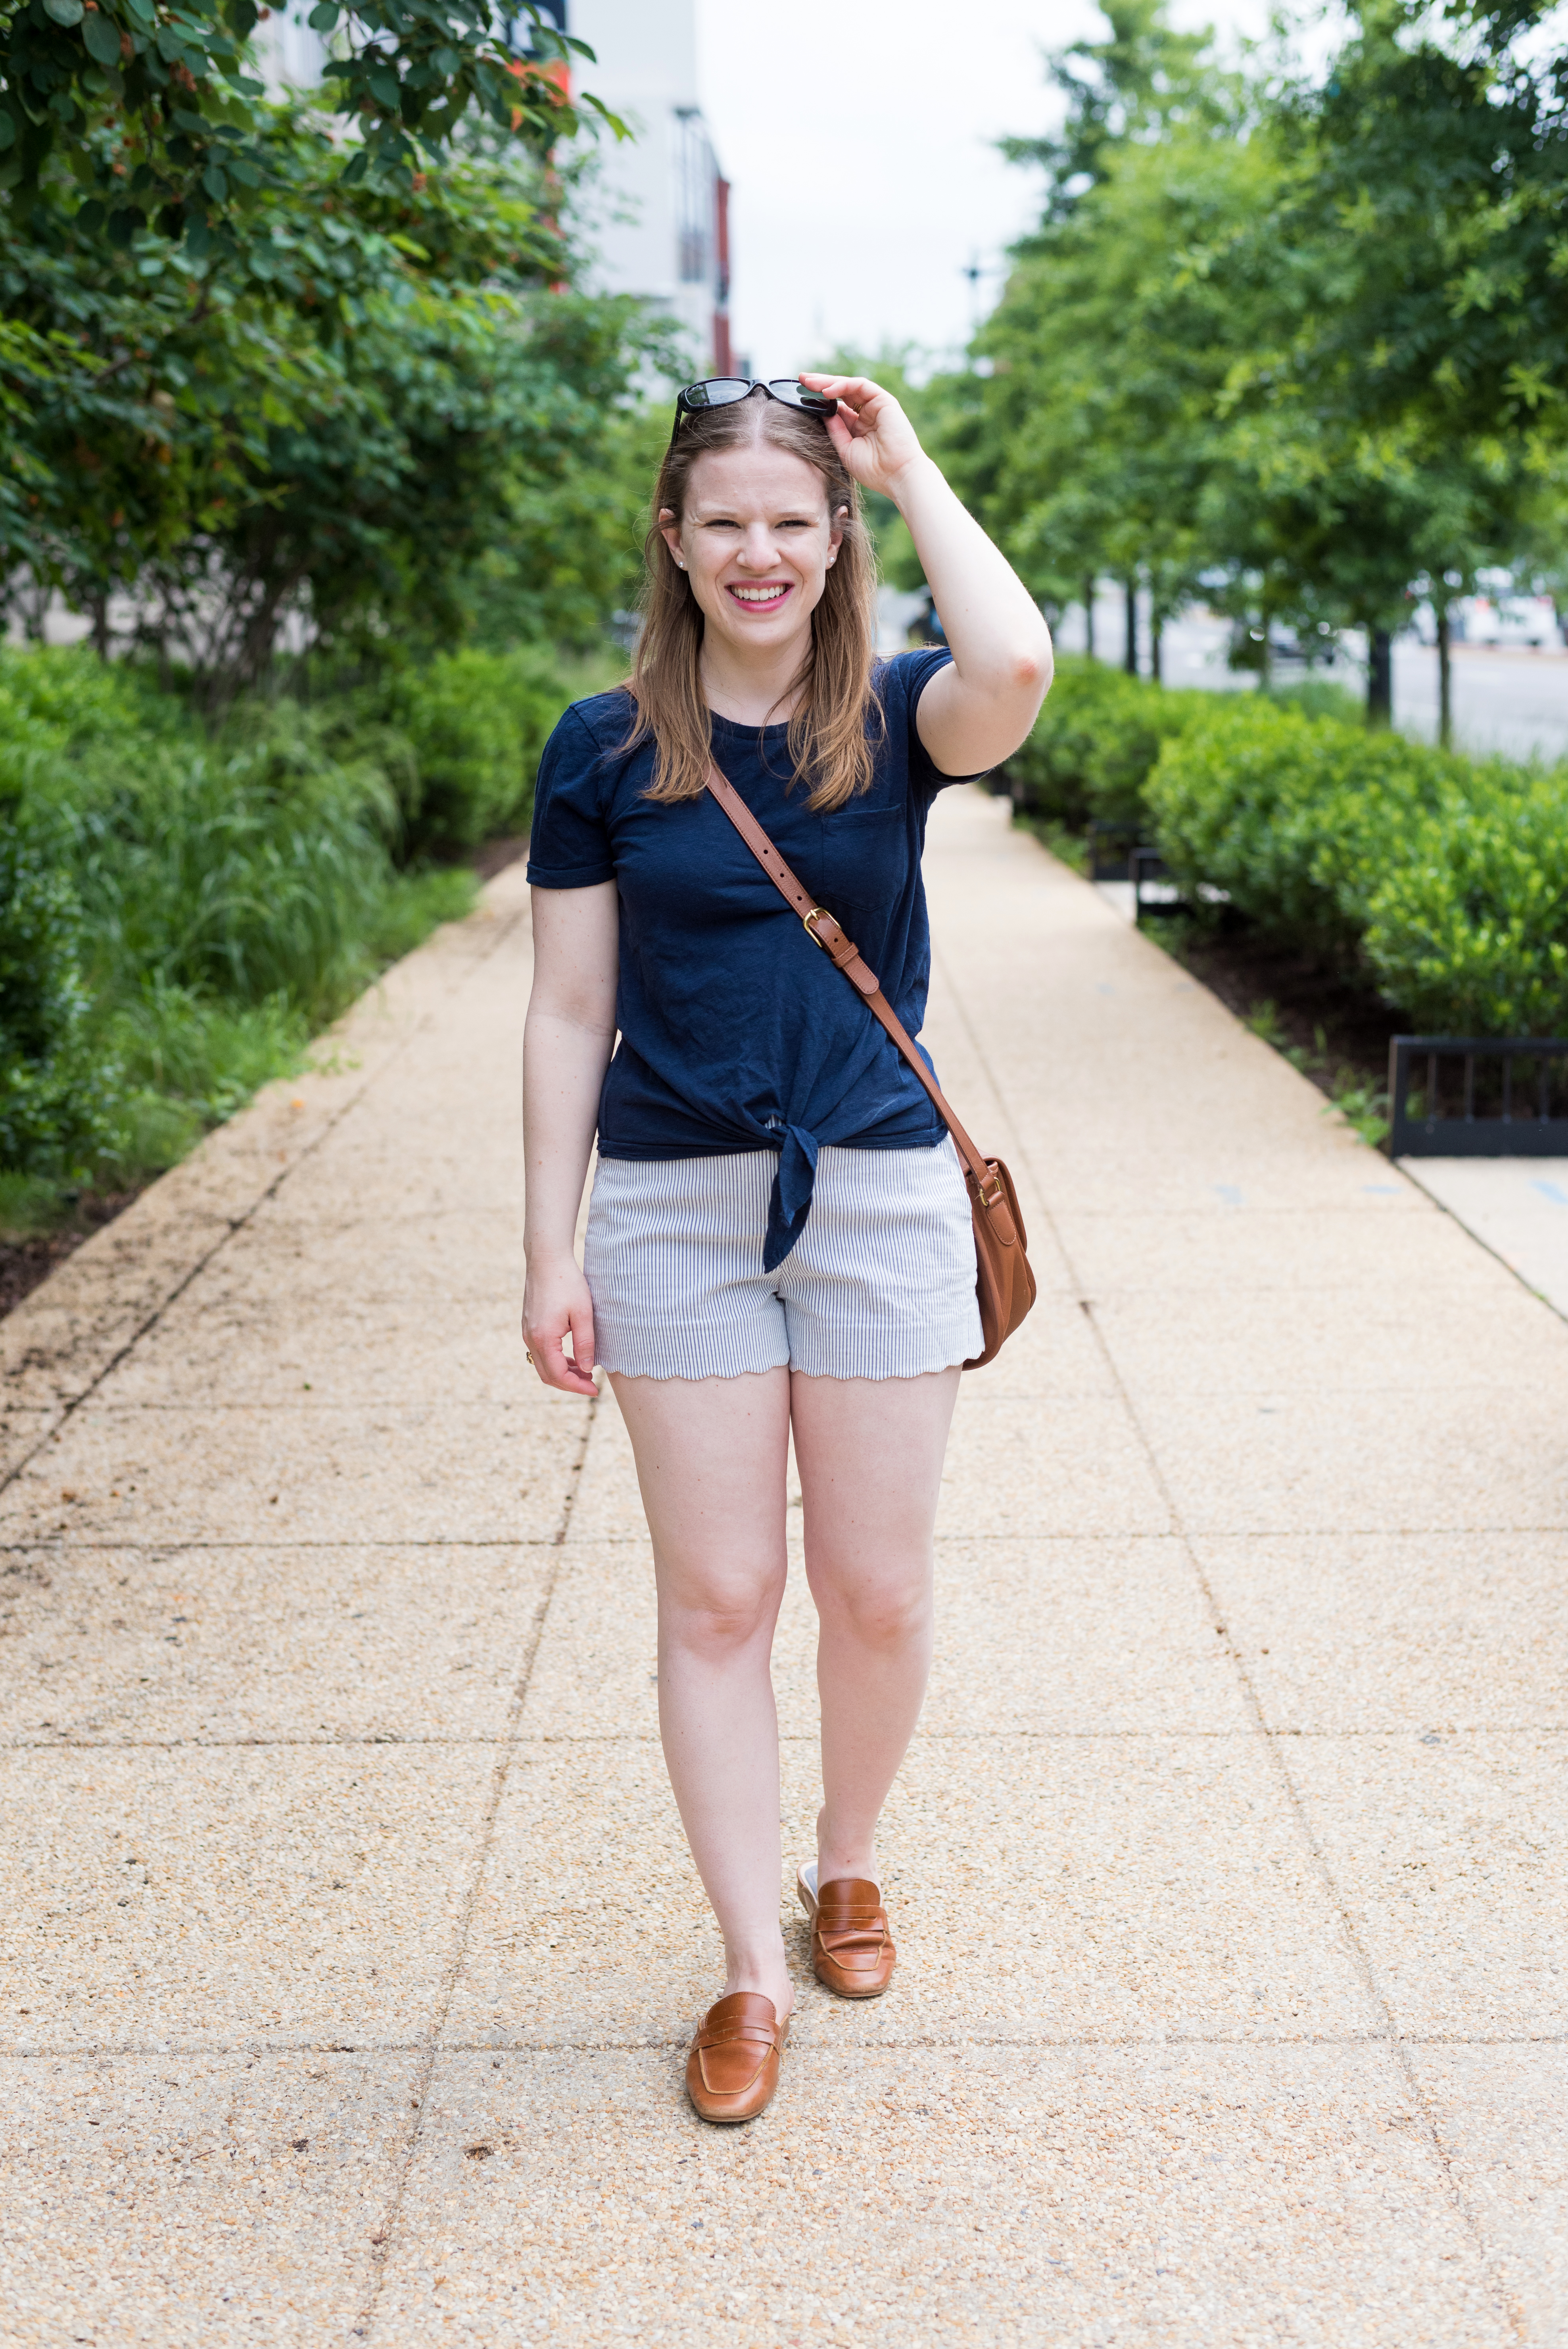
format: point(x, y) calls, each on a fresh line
point(662, 229)
point(659, 203)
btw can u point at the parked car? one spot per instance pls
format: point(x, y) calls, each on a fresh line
point(1313, 646)
point(1501, 617)
point(1512, 620)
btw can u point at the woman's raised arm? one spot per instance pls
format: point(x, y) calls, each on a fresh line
point(567, 1042)
point(979, 710)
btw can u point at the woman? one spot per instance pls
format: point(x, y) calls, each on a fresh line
point(779, 1237)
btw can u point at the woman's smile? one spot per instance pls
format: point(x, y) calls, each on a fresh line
point(765, 597)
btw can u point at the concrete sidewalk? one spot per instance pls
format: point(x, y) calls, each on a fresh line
point(351, 1945)
point(1517, 1207)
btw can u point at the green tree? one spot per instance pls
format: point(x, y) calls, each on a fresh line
point(373, 405)
point(170, 83)
point(1098, 426)
point(1387, 423)
point(1086, 436)
point(1144, 76)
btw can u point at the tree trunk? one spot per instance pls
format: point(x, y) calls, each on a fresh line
point(98, 607)
point(1156, 635)
point(1129, 658)
point(1445, 680)
point(1088, 617)
point(1379, 677)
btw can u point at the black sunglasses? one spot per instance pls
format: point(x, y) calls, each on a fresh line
point(724, 390)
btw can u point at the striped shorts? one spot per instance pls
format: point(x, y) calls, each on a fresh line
point(879, 1284)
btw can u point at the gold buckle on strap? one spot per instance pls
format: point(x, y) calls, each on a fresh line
point(818, 912)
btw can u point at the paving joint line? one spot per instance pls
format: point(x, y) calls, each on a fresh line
point(198, 1543)
point(322, 1409)
point(174, 1547)
point(381, 2241)
point(1505, 2298)
point(99, 2051)
point(370, 1741)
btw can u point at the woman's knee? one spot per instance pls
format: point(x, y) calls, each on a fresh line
point(710, 1611)
point(888, 1609)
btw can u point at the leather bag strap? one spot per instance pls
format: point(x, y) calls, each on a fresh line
point(847, 957)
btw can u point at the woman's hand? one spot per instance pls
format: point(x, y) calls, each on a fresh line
point(870, 433)
point(555, 1300)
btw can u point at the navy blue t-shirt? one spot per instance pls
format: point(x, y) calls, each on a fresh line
point(736, 1031)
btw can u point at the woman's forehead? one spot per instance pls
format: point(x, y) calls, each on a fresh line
point(761, 476)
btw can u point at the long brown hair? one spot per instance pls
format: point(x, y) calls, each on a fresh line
point(827, 726)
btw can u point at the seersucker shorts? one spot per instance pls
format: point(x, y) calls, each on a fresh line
point(879, 1284)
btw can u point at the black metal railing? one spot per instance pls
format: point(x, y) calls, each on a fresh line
point(1108, 845)
point(1485, 1107)
point(1153, 890)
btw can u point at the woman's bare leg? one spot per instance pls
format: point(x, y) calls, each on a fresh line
point(711, 1457)
point(870, 1453)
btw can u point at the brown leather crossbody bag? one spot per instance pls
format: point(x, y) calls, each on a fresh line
point(1004, 1284)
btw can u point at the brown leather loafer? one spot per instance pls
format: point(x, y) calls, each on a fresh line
point(733, 2067)
point(852, 1940)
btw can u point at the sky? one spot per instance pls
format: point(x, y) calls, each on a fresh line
point(858, 140)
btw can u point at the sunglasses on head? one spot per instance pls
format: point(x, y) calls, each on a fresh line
point(724, 390)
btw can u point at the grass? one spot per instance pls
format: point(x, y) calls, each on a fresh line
point(180, 912)
point(186, 1060)
point(29, 1205)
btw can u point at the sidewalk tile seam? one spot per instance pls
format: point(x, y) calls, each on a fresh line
point(391, 1404)
point(195, 1546)
point(544, 1740)
point(116, 2052)
point(166, 1547)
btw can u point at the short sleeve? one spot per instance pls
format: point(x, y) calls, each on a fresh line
point(569, 842)
point(914, 671)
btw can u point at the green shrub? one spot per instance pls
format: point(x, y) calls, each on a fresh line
point(459, 739)
point(1441, 880)
point(1094, 745)
point(1288, 814)
point(179, 912)
point(56, 1096)
point(241, 872)
point(1320, 697)
point(1468, 930)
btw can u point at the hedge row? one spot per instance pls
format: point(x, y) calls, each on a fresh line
point(1095, 744)
point(1438, 880)
point(180, 912)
